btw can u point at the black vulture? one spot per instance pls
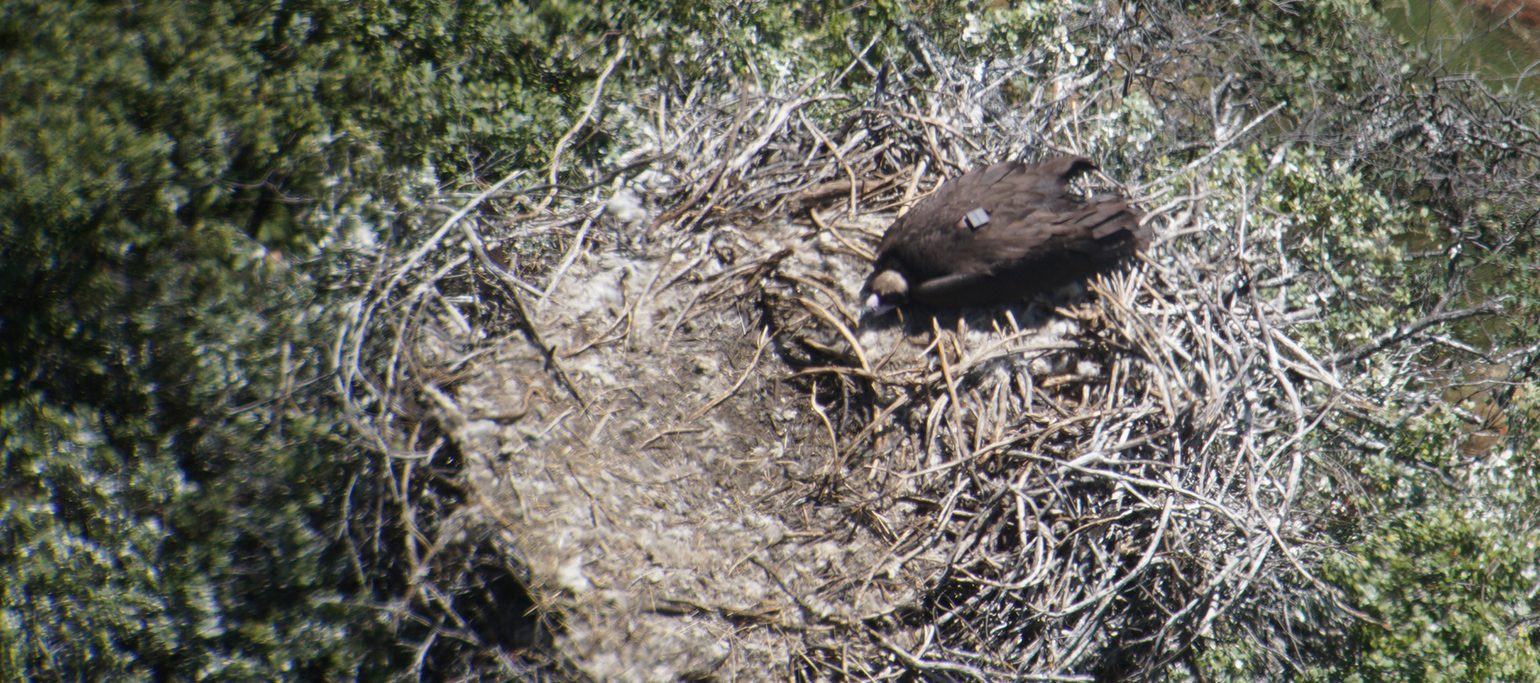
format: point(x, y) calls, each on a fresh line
point(999, 233)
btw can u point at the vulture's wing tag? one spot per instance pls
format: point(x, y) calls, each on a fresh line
point(976, 218)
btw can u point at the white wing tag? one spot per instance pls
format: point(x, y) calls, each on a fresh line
point(976, 218)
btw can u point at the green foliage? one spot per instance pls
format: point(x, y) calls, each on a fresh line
point(1450, 592)
point(117, 565)
point(1315, 54)
point(173, 519)
point(1356, 239)
point(176, 473)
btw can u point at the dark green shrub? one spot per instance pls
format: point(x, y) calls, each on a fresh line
point(177, 474)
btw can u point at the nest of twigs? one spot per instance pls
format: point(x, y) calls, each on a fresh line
point(701, 463)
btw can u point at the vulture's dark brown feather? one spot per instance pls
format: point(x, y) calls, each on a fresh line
point(1002, 232)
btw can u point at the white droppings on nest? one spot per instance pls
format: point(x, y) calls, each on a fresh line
point(1047, 364)
point(1087, 369)
point(482, 429)
point(655, 182)
point(570, 576)
point(1062, 328)
point(626, 207)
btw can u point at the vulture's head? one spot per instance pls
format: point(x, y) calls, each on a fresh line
point(888, 289)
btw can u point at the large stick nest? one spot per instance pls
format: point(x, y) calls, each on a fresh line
point(700, 463)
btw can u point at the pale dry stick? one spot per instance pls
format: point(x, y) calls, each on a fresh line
point(777, 121)
point(1457, 345)
point(839, 157)
point(832, 470)
point(430, 283)
point(933, 140)
point(1210, 596)
point(554, 167)
point(1403, 330)
point(1221, 482)
point(566, 262)
point(912, 189)
point(946, 512)
point(1116, 394)
point(1277, 229)
point(1331, 592)
point(349, 373)
point(879, 419)
point(445, 227)
point(858, 60)
point(661, 118)
point(865, 158)
point(967, 538)
point(420, 658)
point(1291, 487)
point(644, 445)
point(687, 133)
point(951, 390)
point(997, 417)
point(802, 167)
point(979, 453)
point(1288, 445)
point(953, 669)
point(417, 558)
point(711, 190)
point(1266, 336)
point(1200, 356)
point(699, 187)
point(835, 297)
point(1225, 329)
point(842, 371)
point(1305, 364)
point(1181, 225)
point(1236, 519)
point(810, 189)
point(415, 302)
point(1039, 565)
point(461, 323)
point(1367, 444)
point(1139, 330)
point(998, 348)
point(1261, 548)
point(1103, 599)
